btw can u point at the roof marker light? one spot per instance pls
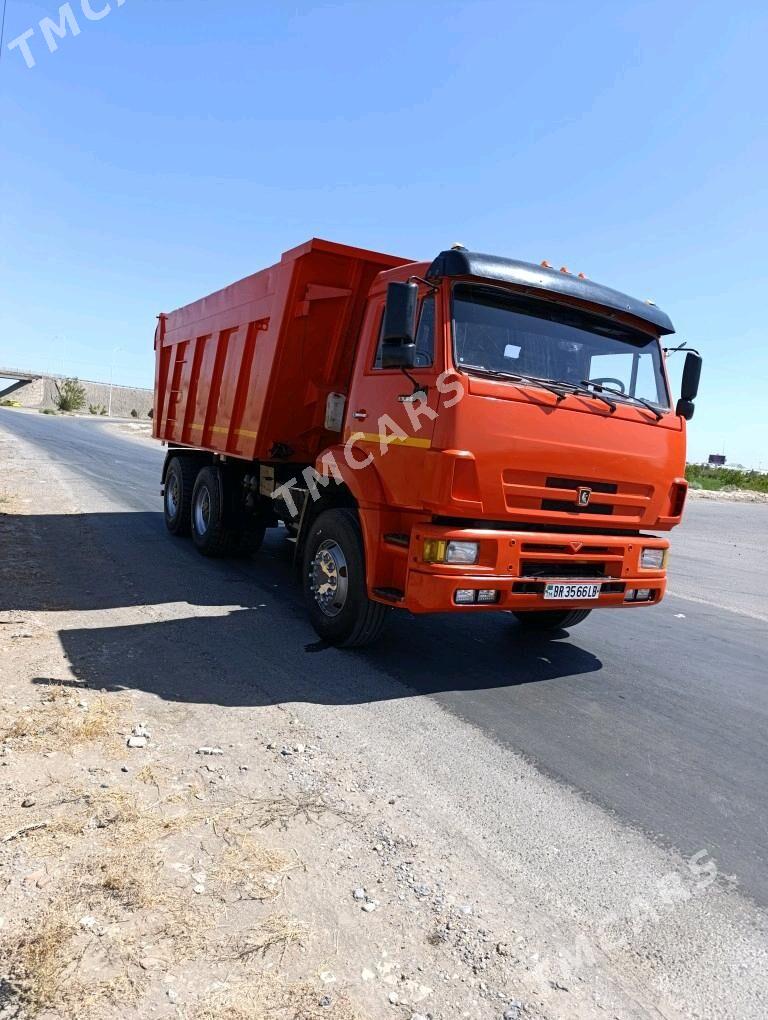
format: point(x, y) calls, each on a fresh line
point(582, 276)
point(565, 269)
point(547, 265)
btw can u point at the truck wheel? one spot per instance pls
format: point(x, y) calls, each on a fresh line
point(209, 534)
point(551, 619)
point(334, 582)
point(177, 499)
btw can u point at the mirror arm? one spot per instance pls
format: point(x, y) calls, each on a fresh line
point(434, 287)
point(417, 386)
point(682, 347)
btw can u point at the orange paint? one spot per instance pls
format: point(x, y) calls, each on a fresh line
point(246, 373)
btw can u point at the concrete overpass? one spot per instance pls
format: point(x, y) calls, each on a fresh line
point(21, 376)
point(39, 390)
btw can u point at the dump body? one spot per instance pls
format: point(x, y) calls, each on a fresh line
point(246, 371)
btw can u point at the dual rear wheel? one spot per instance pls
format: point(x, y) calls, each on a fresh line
point(195, 503)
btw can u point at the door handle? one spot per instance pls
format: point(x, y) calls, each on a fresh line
point(360, 415)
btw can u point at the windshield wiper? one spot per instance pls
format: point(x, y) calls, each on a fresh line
point(560, 387)
point(582, 392)
point(625, 396)
point(545, 384)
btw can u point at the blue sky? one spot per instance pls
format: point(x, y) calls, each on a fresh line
point(176, 145)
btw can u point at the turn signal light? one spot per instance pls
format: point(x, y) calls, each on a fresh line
point(434, 550)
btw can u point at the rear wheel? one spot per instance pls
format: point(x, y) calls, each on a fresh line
point(334, 582)
point(177, 497)
point(209, 533)
point(551, 619)
point(212, 530)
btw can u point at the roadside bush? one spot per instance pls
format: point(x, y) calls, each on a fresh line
point(70, 395)
point(48, 410)
point(97, 409)
point(134, 413)
point(150, 412)
point(9, 403)
point(702, 476)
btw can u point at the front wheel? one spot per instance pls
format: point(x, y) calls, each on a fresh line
point(551, 619)
point(334, 582)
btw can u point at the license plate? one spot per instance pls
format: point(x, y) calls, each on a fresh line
point(570, 592)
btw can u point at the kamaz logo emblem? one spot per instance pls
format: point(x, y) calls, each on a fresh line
point(585, 495)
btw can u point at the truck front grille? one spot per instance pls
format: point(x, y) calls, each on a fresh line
point(542, 495)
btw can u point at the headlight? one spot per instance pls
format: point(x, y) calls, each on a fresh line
point(461, 552)
point(653, 559)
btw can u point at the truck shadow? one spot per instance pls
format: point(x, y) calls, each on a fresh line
point(167, 621)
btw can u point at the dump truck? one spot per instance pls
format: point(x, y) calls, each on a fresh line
point(472, 434)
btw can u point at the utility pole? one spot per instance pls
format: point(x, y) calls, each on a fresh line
point(115, 350)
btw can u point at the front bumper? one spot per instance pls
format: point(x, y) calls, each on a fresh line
point(517, 564)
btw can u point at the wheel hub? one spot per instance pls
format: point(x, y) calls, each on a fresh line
point(329, 578)
point(202, 510)
point(172, 496)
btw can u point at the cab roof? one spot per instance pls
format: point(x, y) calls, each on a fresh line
point(459, 262)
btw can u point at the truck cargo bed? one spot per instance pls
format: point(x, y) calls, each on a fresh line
point(247, 370)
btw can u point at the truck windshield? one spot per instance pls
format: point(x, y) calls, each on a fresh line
point(500, 333)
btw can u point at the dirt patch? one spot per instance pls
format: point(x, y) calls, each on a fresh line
point(729, 495)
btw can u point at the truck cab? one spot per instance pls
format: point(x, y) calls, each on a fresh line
point(513, 442)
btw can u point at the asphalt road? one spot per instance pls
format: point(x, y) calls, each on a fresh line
point(658, 715)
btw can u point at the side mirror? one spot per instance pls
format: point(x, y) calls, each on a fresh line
point(398, 342)
point(689, 386)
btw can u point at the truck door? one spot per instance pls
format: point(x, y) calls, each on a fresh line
point(384, 409)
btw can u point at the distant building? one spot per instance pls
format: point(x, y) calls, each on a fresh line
point(716, 460)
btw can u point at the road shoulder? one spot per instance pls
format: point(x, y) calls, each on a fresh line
point(405, 862)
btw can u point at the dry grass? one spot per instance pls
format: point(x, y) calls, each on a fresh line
point(271, 998)
point(112, 845)
point(43, 968)
point(277, 931)
point(62, 822)
point(249, 869)
point(35, 967)
point(283, 810)
point(60, 722)
point(99, 813)
point(128, 877)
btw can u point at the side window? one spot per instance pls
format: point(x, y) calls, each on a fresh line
point(425, 335)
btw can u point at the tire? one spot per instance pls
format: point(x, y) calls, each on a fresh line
point(341, 612)
point(209, 533)
point(177, 498)
point(551, 619)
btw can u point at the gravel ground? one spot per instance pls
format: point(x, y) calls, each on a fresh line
point(729, 495)
point(442, 876)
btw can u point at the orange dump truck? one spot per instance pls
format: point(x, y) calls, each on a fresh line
point(473, 434)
